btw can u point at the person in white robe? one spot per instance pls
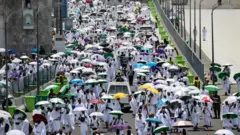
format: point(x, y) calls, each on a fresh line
point(25, 127)
point(226, 85)
point(56, 119)
point(94, 124)
point(134, 105)
point(4, 126)
point(204, 33)
point(238, 84)
point(68, 122)
point(17, 120)
point(39, 128)
point(117, 104)
point(140, 124)
point(107, 117)
point(227, 124)
point(224, 109)
point(234, 110)
point(84, 121)
point(119, 121)
point(49, 124)
point(195, 113)
point(207, 115)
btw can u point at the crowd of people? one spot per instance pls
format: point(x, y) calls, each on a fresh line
point(119, 43)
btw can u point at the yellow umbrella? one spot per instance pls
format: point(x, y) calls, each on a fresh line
point(144, 87)
point(153, 90)
point(125, 25)
point(119, 95)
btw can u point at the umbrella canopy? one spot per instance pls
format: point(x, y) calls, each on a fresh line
point(182, 124)
point(33, 63)
point(121, 127)
point(206, 99)
point(160, 129)
point(153, 90)
point(16, 60)
point(230, 115)
point(141, 74)
point(144, 87)
point(230, 99)
point(15, 132)
point(106, 97)
point(2, 50)
point(211, 88)
point(223, 132)
point(216, 69)
point(77, 81)
point(96, 101)
point(79, 109)
point(21, 112)
point(116, 112)
point(24, 57)
point(154, 120)
point(39, 117)
point(91, 81)
point(223, 74)
point(151, 64)
point(43, 103)
point(119, 95)
point(236, 76)
point(4, 116)
point(51, 87)
point(57, 101)
point(5, 113)
point(97, 114)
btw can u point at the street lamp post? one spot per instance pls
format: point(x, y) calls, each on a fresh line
point(184, 32)
point(200, 27)
point(213, 8)
point(190, 22)
point(195, 27)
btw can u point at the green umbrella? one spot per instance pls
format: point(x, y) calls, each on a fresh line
point(160, 129)
point(217, 69)
point(70, 95)
point(21, 112)
point(103, 35)
point(101, 81)
point(237, 94)
point(75, 43)
point(223, 74)
point(116, 112)
point(211, 88)
point(68, 52)
point(91, 81)
point(230, 115)
point(51, 87)
point(102, 74)
point(236, 76)
point(141, 74)
point(70, 46)
point(105, 44)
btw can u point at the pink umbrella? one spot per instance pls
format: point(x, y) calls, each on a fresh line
point(88, 1)
point(121, 127)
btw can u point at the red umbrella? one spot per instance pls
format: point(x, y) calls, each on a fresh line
point(96, 101)
point(88, 1)
point(39, 117)
point(155, 54)
point(139, 19)
point(207, 99)
point(118, 43)
point(89, 65)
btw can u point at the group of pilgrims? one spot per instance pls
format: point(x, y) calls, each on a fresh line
point(162, 100)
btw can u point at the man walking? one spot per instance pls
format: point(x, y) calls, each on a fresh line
point(216, 105)
point(204, 33)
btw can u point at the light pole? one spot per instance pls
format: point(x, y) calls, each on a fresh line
point(195, 27)
point(200, 27)
point(190, 22)
point(213, 8)
point(184, 32)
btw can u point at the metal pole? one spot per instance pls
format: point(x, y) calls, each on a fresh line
point(38, 83)
point(57, 15)
point(212, 45)
point(6, 53)
point(184, 22)
point(200, 28)
point(190, 22)
point(181, 20)
point(61, 28)
point(195, 27)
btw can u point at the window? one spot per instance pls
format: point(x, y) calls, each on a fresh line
point(118, 88)
point(28, 3)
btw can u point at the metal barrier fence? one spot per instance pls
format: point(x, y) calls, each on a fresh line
point(28, 83)
point(190, 56)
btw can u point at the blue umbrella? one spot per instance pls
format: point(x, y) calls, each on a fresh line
point(77, 11)
point(76, 81)
point(162, 101)
point(155, 120)
point(151, 64)
point(138, 65)
point(144, 49)
point(34, 50)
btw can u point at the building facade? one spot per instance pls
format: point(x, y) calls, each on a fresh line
point(20, 39)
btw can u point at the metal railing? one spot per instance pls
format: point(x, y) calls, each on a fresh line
point(26, 84)
point(196, 64)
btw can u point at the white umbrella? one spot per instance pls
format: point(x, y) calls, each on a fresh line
point(193, 92)
point(24, 57)
point(223, 132)
point(55, 56)
point(46, 64)
point(43, 103)
point(35, 111)
point(86, 60)
point(16, 60)
point(91, 81)
point(33, 63)
point(73, 61)
point(97, 114)
point(183, 124)
point(173, 68)
point(61, 53)
point(160, 86)
point(166, 65)
point(2, 50)
point(5, 113)
point(15, 132)
point(79, 68)
point(107, 97)
point(192, 88)
point(74, 72)
point(79, 109)
point(231, 99)
point(170, 80)
point(87, 70)
point(4, 116)
point(169, 47)
point(176, 101)
point(57, 100)
point(227, 65)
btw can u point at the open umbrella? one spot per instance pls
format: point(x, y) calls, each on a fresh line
point(236, 76)
point(154, 120)
point(141, 74)
point(226, 65)
point(33, 63)
point(119, 95)
point(144, 87)
point(160, 129)
point(43, 103)
point(217, 69)
point(121, 127)
point(116, 112)
point(206, 99)
point(24, 57)
point(77, 81)
point(106, 97)
point(2, 50)
point(211, 88)
point(57, 101)
point(223, 132)
point(97, 114)
point(91, 81)
point(79, 109)
point(151, 64)
point(153, 90)
point(15, 132)
point(182, 124)
point(16, 60)
point(96, 101)
point(51, 87)
point(230, 115)
point(39, 117)
point(223, 74)
point(101, 81)
point(230, 99)
point(5, 113)
point(21, 112)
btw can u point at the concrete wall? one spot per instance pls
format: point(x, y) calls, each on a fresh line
point(24, 40)
point(208, 4)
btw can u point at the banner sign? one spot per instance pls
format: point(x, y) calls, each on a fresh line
point(28, 19)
